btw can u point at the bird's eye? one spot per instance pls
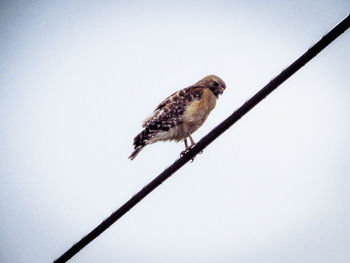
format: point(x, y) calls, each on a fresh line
point(216, 84)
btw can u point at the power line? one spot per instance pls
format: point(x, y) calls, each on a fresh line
point(209, 138)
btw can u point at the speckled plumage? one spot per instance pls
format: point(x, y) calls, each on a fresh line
point(181, 114)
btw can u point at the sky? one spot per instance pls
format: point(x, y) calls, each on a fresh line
point(77, 78)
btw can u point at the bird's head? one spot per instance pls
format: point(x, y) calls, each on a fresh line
point(214, 83)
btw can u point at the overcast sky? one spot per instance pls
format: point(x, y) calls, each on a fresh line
point(77, 78)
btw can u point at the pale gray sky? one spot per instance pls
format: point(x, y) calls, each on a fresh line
point(78, 78)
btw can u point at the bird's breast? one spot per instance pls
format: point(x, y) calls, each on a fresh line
point(197, 111)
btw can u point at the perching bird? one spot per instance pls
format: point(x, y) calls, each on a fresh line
point(181, 114)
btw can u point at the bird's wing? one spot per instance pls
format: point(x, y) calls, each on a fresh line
point(170, 112)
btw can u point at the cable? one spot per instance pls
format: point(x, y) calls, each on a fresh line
point(209, 138)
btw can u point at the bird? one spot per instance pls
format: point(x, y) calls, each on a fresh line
point(180, 114)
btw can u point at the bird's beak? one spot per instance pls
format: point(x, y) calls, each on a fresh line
point(221, 90)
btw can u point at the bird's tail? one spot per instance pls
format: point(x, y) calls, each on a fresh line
point(135, 152)
point(140, 141)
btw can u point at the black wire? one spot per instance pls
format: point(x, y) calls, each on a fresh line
point(210, 137)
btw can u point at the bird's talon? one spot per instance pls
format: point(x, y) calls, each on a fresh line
point(183, 152)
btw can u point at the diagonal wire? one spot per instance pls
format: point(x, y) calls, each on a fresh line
point(209, 138)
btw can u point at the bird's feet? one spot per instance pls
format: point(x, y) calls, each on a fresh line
point(184, 152)
point(187, 150)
